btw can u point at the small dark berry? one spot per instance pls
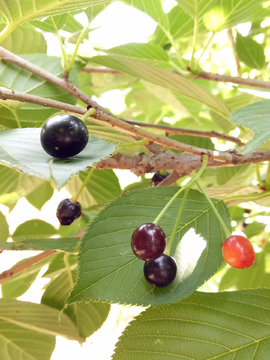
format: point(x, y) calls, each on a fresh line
point(67, 212)
point(148, 241)
point(64, 135)
point(160, 272)
point(159, 176)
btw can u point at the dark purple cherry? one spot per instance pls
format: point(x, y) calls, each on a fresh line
point(159, 176)
point(160, 272)
point(148, 241)
point(64, 135)
point(67, 212)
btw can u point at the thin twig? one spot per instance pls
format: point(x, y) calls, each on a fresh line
point(202, 75)
point(234, 79)
point(182, 131)
point(5, 275)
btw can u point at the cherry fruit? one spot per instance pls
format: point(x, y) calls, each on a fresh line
point(160, 272)
point(238, 252)
point(148, 241)
point(159, 176)
point(67, 212)
point(64, 135)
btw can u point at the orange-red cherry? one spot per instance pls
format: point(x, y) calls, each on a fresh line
point(238, 252)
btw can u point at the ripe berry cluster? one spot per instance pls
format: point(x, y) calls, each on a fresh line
point(63, 136)
point(148, 243)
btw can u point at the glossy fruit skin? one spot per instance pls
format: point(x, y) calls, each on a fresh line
point(64, 135)
point(67, 212)
point(160, 272)
point(148, 241)
point(159, 177)
point(238, 252)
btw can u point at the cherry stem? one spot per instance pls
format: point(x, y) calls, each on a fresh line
point(187, 186)
point(88, 113)
point(228, 233)
point(177, 222)
point(75, 198)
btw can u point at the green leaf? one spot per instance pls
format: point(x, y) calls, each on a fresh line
point(197, 8)
point(102, 187)
point(40, 195)
point(109, 271)
point(62, 244)
point(146, 52)
point(255, 117)
point(33, 229)
point(12, 76)
point(230, 325)
point(151, 8)
point(58, 266)
point(226, 13)
point(205, 143)
point(235, 175)
point(48, 26)
point(181, 26)
point(20, 283)
point(249, 52)
point(87, 317)
point(28, 330)
point(4, 233)
point(19, 12)
point(30, 157)
point(25, 40)
point(163, 78)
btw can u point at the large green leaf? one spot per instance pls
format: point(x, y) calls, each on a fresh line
point(28, 330)
point(102, 187)
point(40, 195)
point(228, 13)
point(255, 117)
point(87, 317)
point(235, 175)
point(62, 244)
point(21, 149)
point(249, 52)
point(25, 40)
point(109, 271)
point(230, 325)
point(164, 78)
point(197, 8)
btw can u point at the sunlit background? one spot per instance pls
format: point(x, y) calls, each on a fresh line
point(118, 24)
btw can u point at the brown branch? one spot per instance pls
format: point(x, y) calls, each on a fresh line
point(234, 79)
point(183, 164)
point(237, 62)
point(5, 275)
point(100, 70)
point(123, 126)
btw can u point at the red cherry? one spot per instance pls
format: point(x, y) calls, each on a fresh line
point(238, 252)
